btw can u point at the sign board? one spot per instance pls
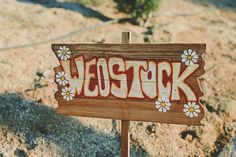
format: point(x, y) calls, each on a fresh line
point(140, 82)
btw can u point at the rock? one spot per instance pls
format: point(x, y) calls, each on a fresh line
point(151, 129)
point(230, 109)
point(20, 153)
point(31, 140)
point(229, 150)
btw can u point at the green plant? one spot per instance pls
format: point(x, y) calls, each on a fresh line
point(140, 10)
point(90, 2)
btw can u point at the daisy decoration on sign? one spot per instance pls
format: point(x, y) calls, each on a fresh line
point(62, 78)
point(67, 93)
point(163, 104)
point(64, 53)
point(191, 109)
point(189, 57)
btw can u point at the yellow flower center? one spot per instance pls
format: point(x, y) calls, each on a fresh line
point(63, 53)
point(62, 78)
point(191, 109)
point(67, 93)
point(163, 104)
point(189, 57)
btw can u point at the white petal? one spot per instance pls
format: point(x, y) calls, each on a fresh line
point(167, 108)
point(184, 60)
point(196, 107)
point(164, 109)
point(67, 98)
point(158, 106)
point(68, 52)
point(197, 111)
point(157, 102)
point(186, 106)
point(191, 62)
point(187, 113)
point(168, 104)
point(187, 62)
point(195, 114)
point(58, 77)
point(193, 104)
point(195, 57)
point(58, 80)
point(163, 99)
point(194, 60)
point(190, 104)
point(66, 82)
point(183, 56)
point(193, 53)
point(63, 83)
point(190, 51)
point(72, 94)
point(159, 99)
point(71, 98)
point(64, 90)
point(64, 97)
point(160, 109)
point(185, 110)
point(67, 49)
point(191, 114)
point(59, 55)
point(185, 52)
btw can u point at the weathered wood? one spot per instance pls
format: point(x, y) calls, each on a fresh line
point(125, 136)
point(125, 143)
point(142, 107)
point(177, 47)
point(125, 110)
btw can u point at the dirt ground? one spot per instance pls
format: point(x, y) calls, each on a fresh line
point(29, 125)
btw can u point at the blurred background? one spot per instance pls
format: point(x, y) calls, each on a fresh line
point(29, 126)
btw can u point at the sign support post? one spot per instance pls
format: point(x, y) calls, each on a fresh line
point(130, 82)
point(125, 144)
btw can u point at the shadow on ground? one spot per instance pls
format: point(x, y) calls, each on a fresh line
point(32, 120)
point(85, 11)
point(222, 4)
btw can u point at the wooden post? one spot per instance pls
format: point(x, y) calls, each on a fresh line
point(125, 144)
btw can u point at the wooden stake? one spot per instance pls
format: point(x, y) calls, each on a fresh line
point(125, 144)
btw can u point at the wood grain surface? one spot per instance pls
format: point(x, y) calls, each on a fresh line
point(142, 109)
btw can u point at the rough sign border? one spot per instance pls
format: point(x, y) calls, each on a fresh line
point(138, 110)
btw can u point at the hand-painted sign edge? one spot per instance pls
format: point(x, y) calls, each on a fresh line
point(130, 48)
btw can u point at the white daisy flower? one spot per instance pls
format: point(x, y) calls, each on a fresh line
point(189, 57)
point(62, 78)
point(68, 93)
point(64, 53)
point(191, 109)
point(163, 104)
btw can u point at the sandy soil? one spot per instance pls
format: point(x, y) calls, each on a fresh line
point(29, 125)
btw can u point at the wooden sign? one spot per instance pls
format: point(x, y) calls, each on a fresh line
point(141, 82)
